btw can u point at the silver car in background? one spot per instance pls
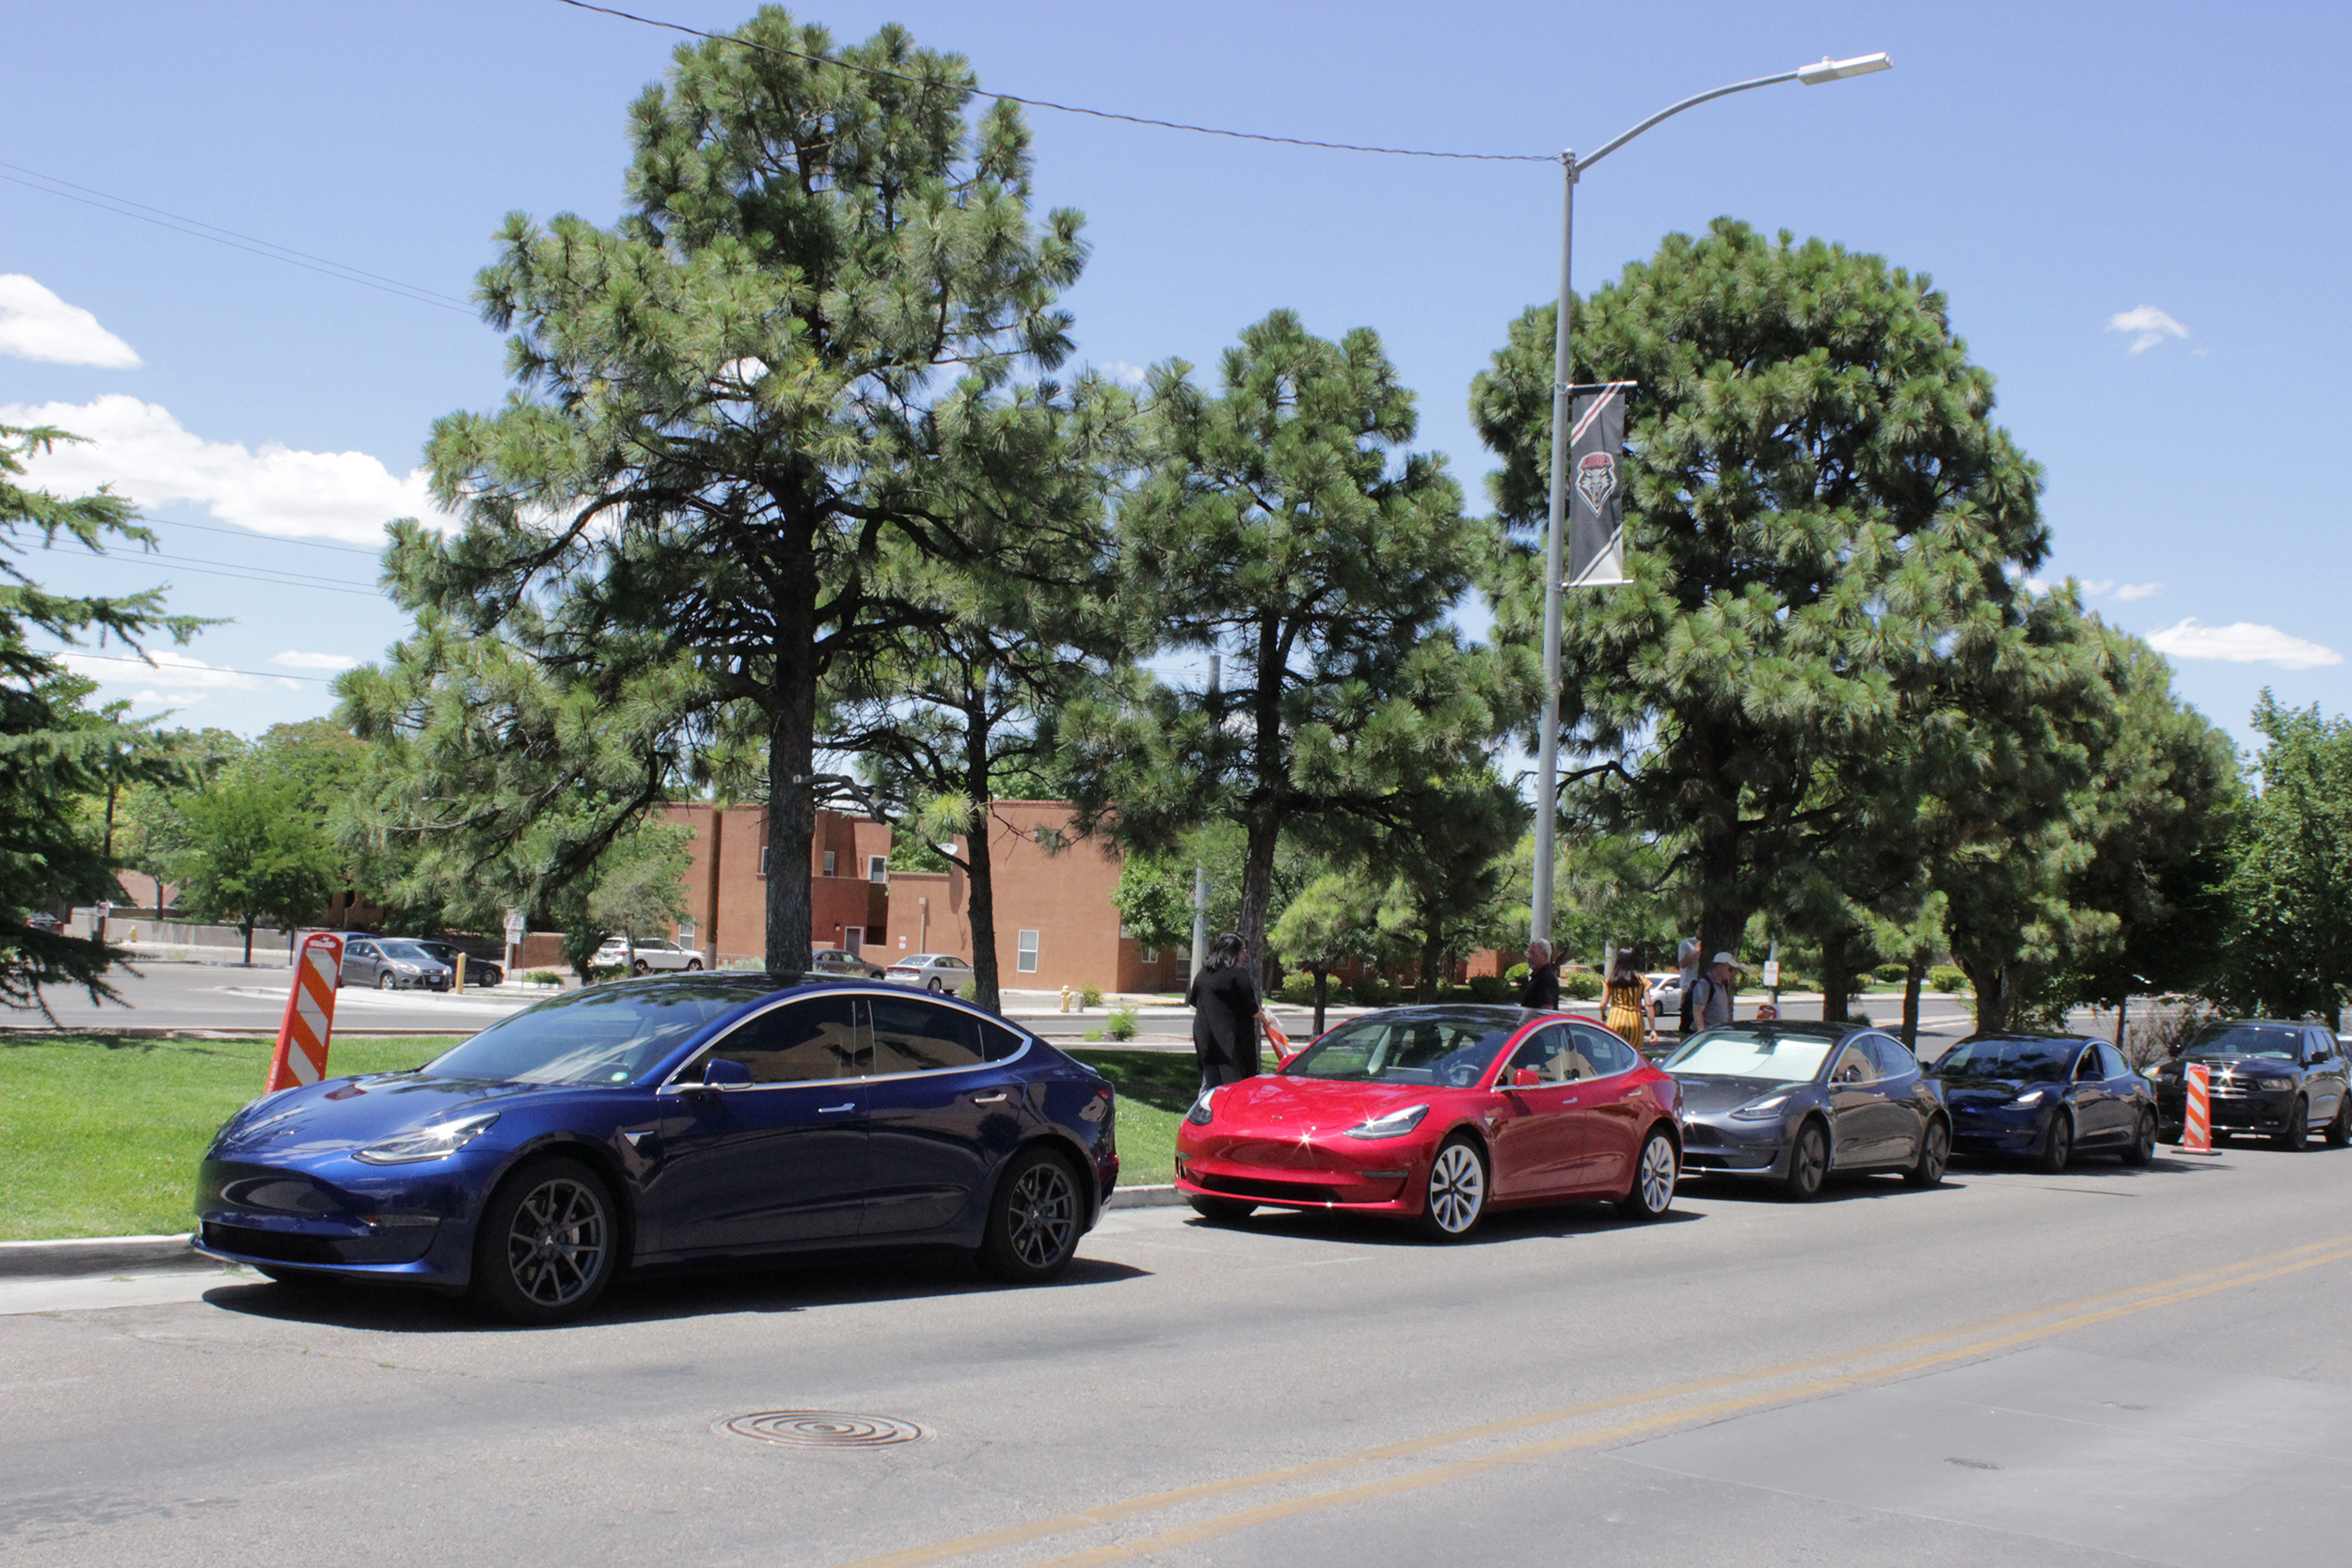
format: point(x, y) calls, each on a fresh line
point(393, 963)
point(940, 974)
point(1793, 1102)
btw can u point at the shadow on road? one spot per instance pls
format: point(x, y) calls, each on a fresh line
point(1511, 1225)
point(1849, 1188)
point(653, 1297)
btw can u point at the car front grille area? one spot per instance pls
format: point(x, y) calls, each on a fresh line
point(1273, 1192)
point(401, 1244)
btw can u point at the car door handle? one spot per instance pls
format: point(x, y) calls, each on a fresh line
point(988, 1099)
point(830, 1110)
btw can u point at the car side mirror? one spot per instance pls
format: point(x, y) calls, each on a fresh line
point(720, 1073)
point(1524, 1078)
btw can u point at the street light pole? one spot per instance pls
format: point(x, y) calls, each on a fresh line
point(1555, 534)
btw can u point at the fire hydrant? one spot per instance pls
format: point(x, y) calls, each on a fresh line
point(1068, 996)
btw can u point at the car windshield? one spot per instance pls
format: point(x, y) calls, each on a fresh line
point(603, 1035)
point(2246, 1039)
point(411, 951)
point(2026, 1061)
point(1766, 1055)
point(1408, 1047)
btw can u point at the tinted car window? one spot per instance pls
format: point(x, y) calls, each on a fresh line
point(922, 1037)
point(797, 1042)
point(1546, 1055)
point(1411, 1048)
point(2112, 1064)
point(2245, 1039)
point(1766, 1055)
point(607, 1035)
point(1853, 1066)
point(2030, 1061)
point(1607, 1054)
point(2323, 1045)
point(1893, 1061)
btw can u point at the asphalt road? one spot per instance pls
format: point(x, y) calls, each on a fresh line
point(2106, 1367)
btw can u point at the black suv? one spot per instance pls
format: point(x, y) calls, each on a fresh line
point(2266, 1076)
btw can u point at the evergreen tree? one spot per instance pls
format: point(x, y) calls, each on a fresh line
point(1333, 919)
point(1279, 522)
point(2289, 950)
point(1826, 531)
point(257, 851)
point(784, 360)
point(55, 750)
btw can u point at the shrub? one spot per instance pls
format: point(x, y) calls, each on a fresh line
point(1122, 1024)
point(1891, 973)
point(1490, 988)
point(1089, 996)
point(1583, 985)
point(1372, 991)
point(1298, 988)
point(968, 992)
point(543, 977)
point(1515, 974)
point(1948, 978)
point(600, 973)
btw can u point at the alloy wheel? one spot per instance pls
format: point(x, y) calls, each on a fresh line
point(1654, 1186)
point(1457, 1188)
point(1808, 1163)
point(555, 1248)
point(1043, 1214)
point(1935, 1154)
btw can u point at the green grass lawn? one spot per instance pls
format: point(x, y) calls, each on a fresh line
point(103, 1133)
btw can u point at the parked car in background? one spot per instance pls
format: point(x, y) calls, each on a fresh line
point(2046, 1098)
point(41, 920)
point(644, 955)
point(838, 963)
point(940, 974)
point(1665, 995)
point(393, 963)
point(2265, 1076)
point(1434, 1114)
point(1795, 1102)
point(671, 1121)
point(479, 971)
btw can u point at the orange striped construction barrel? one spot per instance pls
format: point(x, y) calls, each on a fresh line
point(2196, 1121)
point(301, 1054)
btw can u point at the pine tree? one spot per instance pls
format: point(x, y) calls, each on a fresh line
point(2289, 950)
point(785, 360)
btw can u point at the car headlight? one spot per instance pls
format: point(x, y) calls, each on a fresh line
point(1394, 1125)
point(1202, 1109)
point(1763, 1109)
point(405, 969)
point(438, 1142)
point(2031, 1096)
point(2274, 1084)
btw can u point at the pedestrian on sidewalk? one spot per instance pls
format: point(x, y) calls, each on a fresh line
point(1227, 1013)
point(1712, 995)
point(1686, 966)
point(1627, 997)
point(1540, 990)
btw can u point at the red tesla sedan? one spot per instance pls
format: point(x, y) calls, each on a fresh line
point(1437, 1114)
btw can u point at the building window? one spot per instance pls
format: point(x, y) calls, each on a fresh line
point(1025, 960)
point(829, 857)
point(1148, 955)
point(878, 868)
point(763, 859)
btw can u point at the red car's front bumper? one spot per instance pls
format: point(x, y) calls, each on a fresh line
point(1334, 1171)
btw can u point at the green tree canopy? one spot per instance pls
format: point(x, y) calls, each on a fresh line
point(2290, 943)
point(785, 359)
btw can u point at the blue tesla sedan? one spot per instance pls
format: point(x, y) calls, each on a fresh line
point(2046, 1098)
point(671, 1121)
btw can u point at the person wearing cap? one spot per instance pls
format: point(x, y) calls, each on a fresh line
point(1712, 995)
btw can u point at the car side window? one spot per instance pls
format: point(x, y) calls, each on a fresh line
point(1546, 1055)
point(913, 1035)
point(2322, 1047)
point(797, 1042)
point(1853, 1066)
point(2111, 1061)
point(1608, 1054)
point(2088, 1068)
point(1888, 1055)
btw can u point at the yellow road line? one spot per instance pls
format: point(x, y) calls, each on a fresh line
point(2179, 1288)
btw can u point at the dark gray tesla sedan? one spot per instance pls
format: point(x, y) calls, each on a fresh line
point(1792, 1102)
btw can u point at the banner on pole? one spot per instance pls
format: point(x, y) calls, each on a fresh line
point(1597, 485)
point(301, 1054)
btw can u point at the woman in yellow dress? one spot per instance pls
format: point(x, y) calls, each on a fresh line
point(1628, 998)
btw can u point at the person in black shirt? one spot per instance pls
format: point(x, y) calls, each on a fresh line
point(1226, 1014)
point(1541, 989)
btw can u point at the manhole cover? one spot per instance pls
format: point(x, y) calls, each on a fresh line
point(823, 1429)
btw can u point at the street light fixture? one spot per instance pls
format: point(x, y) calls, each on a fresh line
point(1547, 738)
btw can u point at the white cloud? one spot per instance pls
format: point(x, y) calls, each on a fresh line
point(171, 668)
point(294, 661)
point(2241, 643)
point(146, 455)
point(167, 699)
point(37, 324)
point(1119, 369)
point(2095, 585)
point(2148, 326)
point(2139, 591)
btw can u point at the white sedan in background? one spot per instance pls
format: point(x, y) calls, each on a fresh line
point(649, 953)
point(940, 974)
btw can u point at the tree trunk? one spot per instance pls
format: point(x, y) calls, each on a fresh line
point(979, 870)
point(1257, 883)
point(1323, 990)
point(1425, 987)
point(1720, 931)
point(1995, 995)
point(1837, 978)
point(791, 794)
point(248, 928)
point(2122, 1010)
point(1913, 972)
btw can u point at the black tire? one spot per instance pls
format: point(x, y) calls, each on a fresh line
point(933, 986)
point(1035, 1220)
point(693, 963)
point(548, 1244)
point(2058, 1145)
point(639, 966)
point(2295, 1134)
point(2142, 1148)
point(1454, 1199)
point(1221, 1211)
point(1935, 1155)
point(2339, 1131)
point(1651, 1197)
point(1808, 1163)
point(383, 979)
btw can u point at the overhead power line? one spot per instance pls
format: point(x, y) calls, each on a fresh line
point(247, 534)
point(1071, 108)
point(199, 228)
point(274, 579)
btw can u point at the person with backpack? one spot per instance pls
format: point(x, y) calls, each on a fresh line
point(1710, 996)
point(1686, 966)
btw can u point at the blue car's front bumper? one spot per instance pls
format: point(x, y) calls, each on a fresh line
point(410, 1225)
point(1997, 1127)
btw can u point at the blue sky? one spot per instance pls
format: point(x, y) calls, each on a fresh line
point(2129, 208)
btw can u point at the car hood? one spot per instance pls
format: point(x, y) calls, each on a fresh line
point(2240, 1066)
point(1299, 1103)
point(1703, 1094)
point(345, 1112)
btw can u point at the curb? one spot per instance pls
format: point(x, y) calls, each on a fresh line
point(100, 1255)
point(1144, 1198)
